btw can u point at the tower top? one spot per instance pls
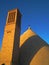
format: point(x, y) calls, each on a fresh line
point(16, 10)
point(13, 15)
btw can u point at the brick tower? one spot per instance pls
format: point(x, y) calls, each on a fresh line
point(10, 44)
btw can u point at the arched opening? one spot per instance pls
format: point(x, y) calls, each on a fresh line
point(3, 64)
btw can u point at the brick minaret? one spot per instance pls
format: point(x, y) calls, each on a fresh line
point(10, 44)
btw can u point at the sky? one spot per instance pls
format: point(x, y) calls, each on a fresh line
point(35, 13)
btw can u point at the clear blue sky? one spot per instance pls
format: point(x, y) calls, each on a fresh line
point(34, 13)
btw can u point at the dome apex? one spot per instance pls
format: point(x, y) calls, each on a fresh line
point(29, 27)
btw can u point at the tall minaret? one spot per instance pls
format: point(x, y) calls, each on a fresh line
point(11, 39)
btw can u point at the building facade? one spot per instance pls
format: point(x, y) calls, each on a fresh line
point(27, 49)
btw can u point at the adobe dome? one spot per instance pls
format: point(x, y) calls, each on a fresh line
point(33, 49)
point(26, 35)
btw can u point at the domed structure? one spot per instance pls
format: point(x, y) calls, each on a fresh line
point(26, 35)
point(33, 49)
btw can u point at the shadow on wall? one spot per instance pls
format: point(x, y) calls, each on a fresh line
point(29, 48)
point(15, 55)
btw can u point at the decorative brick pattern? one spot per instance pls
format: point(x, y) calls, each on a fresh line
point(11, 17)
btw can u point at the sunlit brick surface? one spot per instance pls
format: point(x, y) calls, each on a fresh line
point(41, 57)
point(9, 53)
point(33, 49)
point(27, 49)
